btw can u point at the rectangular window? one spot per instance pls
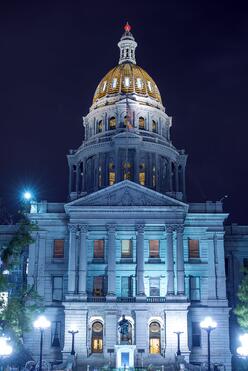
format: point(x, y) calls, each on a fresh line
point(154, 286)
point(56, 334)
point(245, 264)
point(126, 287)
point(99, 249)
point(98, 286)
point(227, 266)
point(57, 294)
point(196, 334)
point(194, 252)
point(154, 248)
point(126, 248)
point(195, 290)
point(58, 249)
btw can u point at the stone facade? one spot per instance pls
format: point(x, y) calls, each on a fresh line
point(128, 243)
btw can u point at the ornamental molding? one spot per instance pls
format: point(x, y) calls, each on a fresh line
point(83, 228)
point(72, 227)
point(140, 228)
point(111, 228)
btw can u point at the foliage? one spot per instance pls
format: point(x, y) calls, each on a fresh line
point(241, 310)
point(23, 304)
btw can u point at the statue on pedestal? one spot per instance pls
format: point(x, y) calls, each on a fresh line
point(123, 330)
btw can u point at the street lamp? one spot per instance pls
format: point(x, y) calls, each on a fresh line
point(178, 333)
point(73, 331)
point(5, 348)
point(27, 196)
point(243, 350)
point(41, 323)
point(208, 325)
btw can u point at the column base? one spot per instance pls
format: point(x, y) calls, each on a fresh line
point(141, 297)
point(110, 297)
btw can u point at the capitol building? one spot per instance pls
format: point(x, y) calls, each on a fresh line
point(127, 245)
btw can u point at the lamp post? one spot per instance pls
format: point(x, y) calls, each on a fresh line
point(5, 349)
point(208, 325)
point(178, 333)
point(73, 331)
point(41, 323)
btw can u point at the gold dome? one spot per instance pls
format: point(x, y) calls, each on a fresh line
point(127, 78)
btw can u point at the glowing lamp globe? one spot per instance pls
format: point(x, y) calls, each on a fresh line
point(42, 323)
point(5, 348)
point(208, 324)
point(243, 350)
point(73, 328)
point(27, 196)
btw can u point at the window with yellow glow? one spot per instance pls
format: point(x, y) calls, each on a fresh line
point(111, 173)
point(112, 123)
point(142, 174)
point(154, 338)
point(154, 248)
point(126, 248)
point(141, 123)
point(126, 120)
point(97, 337)
point(99, 176)
point(127, 170)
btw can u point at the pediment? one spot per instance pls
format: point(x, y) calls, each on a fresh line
point(126, 193)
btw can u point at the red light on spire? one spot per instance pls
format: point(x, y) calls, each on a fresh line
point(127, 27)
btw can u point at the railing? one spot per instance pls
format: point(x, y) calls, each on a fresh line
point(126, 300)
point(154, 299)
point(96, 299)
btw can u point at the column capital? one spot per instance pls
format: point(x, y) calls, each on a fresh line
point(72, 227)
point(83, 228)
point(179, 228)
point(140, 228)
point(111, 228)
point(169, 228)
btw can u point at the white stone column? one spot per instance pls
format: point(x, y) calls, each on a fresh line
point(180, 261)
point(41, 263)
point(141, 328)
point(140, 260)
point(211, 269)
point(82, 276)
point(72, 259)
point(110, 330)
point(111, 260)
point(220, 267)
point(170, 261)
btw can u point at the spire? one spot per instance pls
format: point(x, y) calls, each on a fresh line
point(127, 46)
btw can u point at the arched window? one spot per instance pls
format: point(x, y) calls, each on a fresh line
point(99, 126)
point(154, 126)
point(142, 174)
point(111, 173)
point(154, 338)
point(97, 337)
point(126, 120)
point(126, 170)
point(112, 123)
point(141, 123)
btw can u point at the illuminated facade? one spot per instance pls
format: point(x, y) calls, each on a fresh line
point(127, 242)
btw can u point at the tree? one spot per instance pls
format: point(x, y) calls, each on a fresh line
point(21, 306)
point(241, 310)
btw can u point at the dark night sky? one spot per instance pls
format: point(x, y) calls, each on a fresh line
point(53, 54)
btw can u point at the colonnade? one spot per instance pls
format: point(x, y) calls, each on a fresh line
point(175, 277)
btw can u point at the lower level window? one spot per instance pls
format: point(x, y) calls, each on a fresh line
point(196, 334)
point(97, 337)
point(155, 338)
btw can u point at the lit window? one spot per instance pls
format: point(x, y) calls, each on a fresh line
point(139, 83)
point(126, 82)
point(194, 252)
point(111, 173)
point(98, 286)
point(142, 174)
point(127, 170)
point(104, 85)
point(154, 248)
point(126, 248)
point(126, 121)
point(114, 82)
point(112, 123)
point(99, 176)
point(195, 293)
point(141, 123)
point(97, 337)
point(149, 85)
point(154, 176)
point(154, 286)
point(196, 334)
point(57, 288)
point(154, 338)
point(99, 249)
point(58, 249)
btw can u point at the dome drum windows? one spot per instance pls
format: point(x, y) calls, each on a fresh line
point(141, 123)
point(154, 126)
point(99, 126)
point(112, 123)
point(111, 173)
point(142, 174)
